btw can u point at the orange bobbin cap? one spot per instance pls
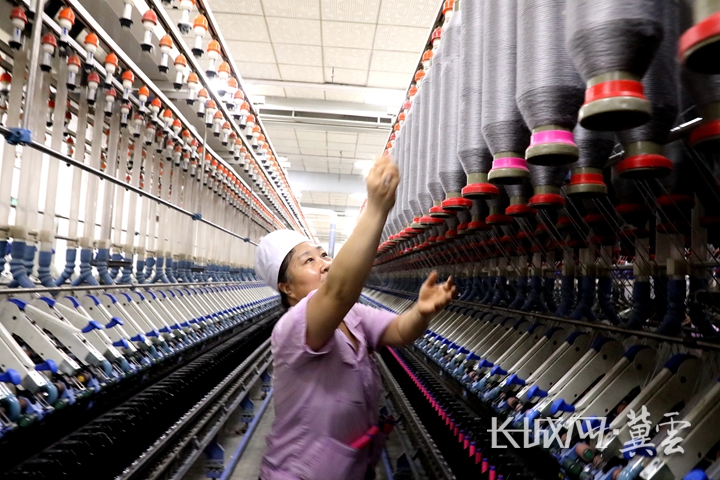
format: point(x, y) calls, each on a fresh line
point(91, 40)
point(150, 17)
point(66, 15)
point(200, 22)
point(49, 39)
point(166, 42)
point(436, 34)
point(213, 46)
point(18, 13)
point(111, 59)
point(74, 60)
point(128, 76)
point(180, 61)
point(224, 68)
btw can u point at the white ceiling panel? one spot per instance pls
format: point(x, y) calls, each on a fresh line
point(342, 96)
point(313, 151)
point(364, 11)
point(256, 52)
point(369, 149)
point(313, 93)
point(347, 149)
point(308, 144)
point(249, 7)
point(348, 35)
point(346, 76)
point(284, 142)
point(253, 28)
point(389, 80)
point(311, 135)
point(340, 153)
point(322, 169)
point(401, 39)
point(292, 8)
point(342, 137)
point(309, 55)
point(399, 62)
point(266, 90)
point(411, 13)
point(264, 71)
point(350, 43)
point(294, 31)
point(372, 139)
point(299, 73)
point(347, 57)
point(276, 132)
point(288, 150)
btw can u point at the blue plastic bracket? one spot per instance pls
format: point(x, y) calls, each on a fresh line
point(18, 136)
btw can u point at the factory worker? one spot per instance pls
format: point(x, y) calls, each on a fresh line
point(326, 384)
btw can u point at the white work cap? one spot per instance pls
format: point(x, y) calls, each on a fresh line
point(271, 252)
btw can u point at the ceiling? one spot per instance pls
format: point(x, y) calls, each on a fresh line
point(326, 76)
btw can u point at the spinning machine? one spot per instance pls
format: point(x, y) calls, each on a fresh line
point(560, 163)
point(136, 180)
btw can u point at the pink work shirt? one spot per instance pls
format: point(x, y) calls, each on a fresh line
point(323, 400)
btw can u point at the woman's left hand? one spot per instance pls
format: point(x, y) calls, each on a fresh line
point(433, 297)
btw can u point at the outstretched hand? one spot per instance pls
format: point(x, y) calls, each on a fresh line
point(433, 297)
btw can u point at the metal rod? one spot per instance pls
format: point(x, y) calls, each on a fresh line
point(34, 61)
point(119, 286)
point(230, 468)
point(71, 161)
point(687, 341)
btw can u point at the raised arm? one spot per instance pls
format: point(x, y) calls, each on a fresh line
point(348, 273)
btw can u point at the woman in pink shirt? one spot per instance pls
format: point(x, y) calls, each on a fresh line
point(326, 385)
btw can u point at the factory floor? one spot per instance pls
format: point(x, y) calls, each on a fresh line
point(249, 465)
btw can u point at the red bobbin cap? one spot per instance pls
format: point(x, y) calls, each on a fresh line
point(480, 190)
point(704, 133)
point(646, 165)
point(477, 225)
point(456, 203)
point(438, 211)
point(547, 200)
point(698, 46)
point(520, 210)
point(498, 219)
